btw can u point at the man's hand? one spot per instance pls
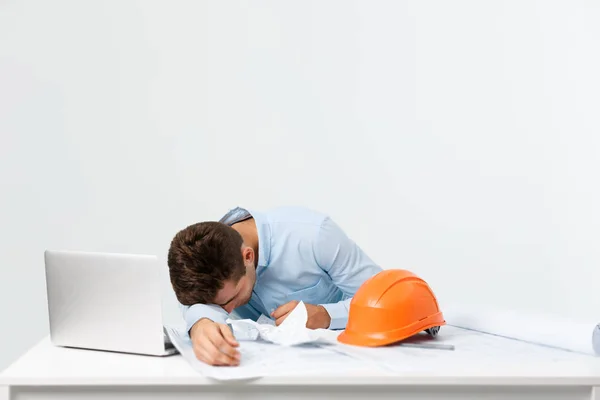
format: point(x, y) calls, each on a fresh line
point(318, 317)
point(214, 343)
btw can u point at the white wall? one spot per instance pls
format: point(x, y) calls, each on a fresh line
point(457, 139)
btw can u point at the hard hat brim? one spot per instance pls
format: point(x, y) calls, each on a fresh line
point(375, 339)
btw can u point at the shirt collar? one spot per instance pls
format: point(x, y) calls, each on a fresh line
point(264, 239)
point(263, 229)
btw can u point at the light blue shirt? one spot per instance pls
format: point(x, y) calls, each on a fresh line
point(302, 255)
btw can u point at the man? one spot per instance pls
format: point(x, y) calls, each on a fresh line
point(252, 263)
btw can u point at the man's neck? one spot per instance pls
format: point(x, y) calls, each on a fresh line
point(247, 229)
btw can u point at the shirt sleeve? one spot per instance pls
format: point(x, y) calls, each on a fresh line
point(347, 265)
point(194, 313)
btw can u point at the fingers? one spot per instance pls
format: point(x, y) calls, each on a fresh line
point(221, 353)
point(221, 343)
point(202, 355)
point(216, 353)
point(279, 320)
point(214, 349)
point(284, 309)
point(208, 358)
point(228, 335)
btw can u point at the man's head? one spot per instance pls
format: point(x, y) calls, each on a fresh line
point(210, 264)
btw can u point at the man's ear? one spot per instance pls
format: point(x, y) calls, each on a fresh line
point(248, 255)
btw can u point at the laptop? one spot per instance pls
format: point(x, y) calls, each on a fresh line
point(106, 301)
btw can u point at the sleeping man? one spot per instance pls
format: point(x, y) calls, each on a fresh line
point(263, 262)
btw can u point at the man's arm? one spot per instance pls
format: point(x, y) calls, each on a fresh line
point(212, 340)
point(347, 265)
point(194, 313)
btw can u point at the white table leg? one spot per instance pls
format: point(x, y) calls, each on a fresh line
point(596, 393)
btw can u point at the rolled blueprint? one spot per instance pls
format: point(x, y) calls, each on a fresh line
point(546, 330)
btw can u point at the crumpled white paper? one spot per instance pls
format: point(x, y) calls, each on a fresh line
point(291, 332)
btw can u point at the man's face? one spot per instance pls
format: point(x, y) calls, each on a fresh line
point(235, 295)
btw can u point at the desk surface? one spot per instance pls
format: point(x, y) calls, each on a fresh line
point(48, 365)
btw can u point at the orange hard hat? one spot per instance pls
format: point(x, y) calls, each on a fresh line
point(389, 307)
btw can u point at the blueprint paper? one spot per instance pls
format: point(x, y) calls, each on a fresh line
point(548, 330)
point(261, 359)
point(243, 331)
point(291, 332)
point(252, 354)
point(264, 320)
point(474, 351)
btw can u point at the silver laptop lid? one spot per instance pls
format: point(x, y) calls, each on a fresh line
point(105, 301)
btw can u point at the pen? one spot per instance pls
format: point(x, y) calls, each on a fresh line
point(438, 346)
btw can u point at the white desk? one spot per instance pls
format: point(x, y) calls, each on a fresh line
point(47, 372)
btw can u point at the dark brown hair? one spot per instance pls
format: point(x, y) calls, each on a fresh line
point(201, 258)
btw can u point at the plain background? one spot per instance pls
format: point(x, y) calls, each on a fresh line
point(457, 139)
